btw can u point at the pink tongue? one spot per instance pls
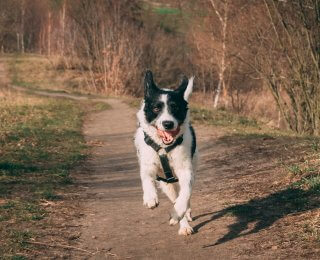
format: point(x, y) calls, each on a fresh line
point(167, 137)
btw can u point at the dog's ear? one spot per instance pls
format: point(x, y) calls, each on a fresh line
point(149, 86)
point(186, 87)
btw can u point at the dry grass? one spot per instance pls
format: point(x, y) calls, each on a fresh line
point(12, 98)
point(35, 71)
point(259, 106)
point(40, 142)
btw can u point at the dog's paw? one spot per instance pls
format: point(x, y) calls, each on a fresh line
point(173, 222)
point(151, 203)
point(185, 231)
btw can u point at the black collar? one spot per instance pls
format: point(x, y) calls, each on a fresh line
point(163, 157)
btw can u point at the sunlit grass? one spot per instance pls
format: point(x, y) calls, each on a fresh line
point(40, 142)
point(39, 72)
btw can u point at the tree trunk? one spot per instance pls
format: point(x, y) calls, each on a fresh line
point(22, 25)
point(49, 34)
point(41, 40)
point(224, 22)
point(63, 25)
point(22, 43)
point(18, 42)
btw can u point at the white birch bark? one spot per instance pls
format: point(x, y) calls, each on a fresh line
point(22, 25)
point(223, 18)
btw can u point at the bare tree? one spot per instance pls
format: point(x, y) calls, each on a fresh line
point(222, 14)
point(287, 58)
point(49, 32)
point(23, 11)
point(63, 26)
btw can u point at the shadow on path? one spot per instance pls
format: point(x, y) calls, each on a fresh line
point(263, 212)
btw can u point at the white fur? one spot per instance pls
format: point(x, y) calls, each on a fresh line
point(165, 116)
point(189, 89)
point(181, 162)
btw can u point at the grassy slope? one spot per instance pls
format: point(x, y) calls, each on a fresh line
point(38, 72)
point(40, 142)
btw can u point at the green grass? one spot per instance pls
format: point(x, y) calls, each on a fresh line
point(294, 169)
point(168, 19)
point(315, 145)
point(40, 142)
point(310, 183)
point(166, 10)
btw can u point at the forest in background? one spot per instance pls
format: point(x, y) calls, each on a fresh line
point(256, 57)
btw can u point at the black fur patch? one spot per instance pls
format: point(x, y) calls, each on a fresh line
point(150, 104)
point(194, 141)
point(177, 106)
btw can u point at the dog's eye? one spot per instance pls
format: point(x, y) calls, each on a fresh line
point(156, 109)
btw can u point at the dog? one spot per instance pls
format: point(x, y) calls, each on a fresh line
point(166, 148)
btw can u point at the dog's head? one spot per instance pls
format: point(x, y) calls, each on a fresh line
point(166, 109)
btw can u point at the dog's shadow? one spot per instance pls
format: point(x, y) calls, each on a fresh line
point(263, 212)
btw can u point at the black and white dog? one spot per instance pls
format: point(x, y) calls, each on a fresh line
point(166, 147)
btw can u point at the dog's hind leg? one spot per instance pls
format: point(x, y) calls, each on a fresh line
point(169, 189)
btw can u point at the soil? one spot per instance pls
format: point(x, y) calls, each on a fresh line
point(112, 223)
point(233, 170)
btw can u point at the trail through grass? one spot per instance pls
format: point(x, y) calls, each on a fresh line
point(40, 142)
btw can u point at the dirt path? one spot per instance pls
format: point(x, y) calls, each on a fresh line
point(232, 170)
point(115, 218)
point(117, 225)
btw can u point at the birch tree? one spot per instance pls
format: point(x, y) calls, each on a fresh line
point(222, 14)
point(23, 11)
point(63, 27)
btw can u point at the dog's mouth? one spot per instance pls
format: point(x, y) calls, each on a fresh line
point(168, 136)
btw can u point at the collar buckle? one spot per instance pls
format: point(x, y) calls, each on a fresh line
point(162, 151)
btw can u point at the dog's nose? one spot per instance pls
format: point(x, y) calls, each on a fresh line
point(168, 125)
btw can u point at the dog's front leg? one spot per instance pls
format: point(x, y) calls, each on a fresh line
point(182, 202)
point(150, 197)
